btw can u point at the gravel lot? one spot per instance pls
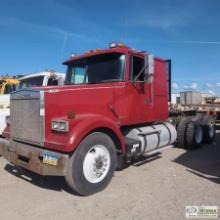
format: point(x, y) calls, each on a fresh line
point(160, 188)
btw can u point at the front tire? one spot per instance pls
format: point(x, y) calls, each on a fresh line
point(92, 165)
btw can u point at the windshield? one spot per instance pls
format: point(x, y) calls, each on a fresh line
point(31, 82)
point(97, 69)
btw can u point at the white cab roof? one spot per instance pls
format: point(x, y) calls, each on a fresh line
point(42, 74)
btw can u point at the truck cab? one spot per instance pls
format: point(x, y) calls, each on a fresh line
point(114, 105)
point(113, 108)
point(134, 98)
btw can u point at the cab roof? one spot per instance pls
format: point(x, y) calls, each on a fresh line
point(117, 49)
point(90, 53)
point(46, 73)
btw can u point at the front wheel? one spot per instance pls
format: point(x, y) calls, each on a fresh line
point(92, 165)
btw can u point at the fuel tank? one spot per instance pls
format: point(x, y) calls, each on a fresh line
point(153, 137)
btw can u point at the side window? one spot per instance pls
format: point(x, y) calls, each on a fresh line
point(78, 76)
point(137, 65)
point(52, 81)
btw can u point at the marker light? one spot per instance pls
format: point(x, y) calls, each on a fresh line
point(121, 45)
point(113, 45)
point(73, 54)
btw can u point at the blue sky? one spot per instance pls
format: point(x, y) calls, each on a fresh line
point(39, 35)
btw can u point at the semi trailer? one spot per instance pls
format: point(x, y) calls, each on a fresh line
point(112, 109)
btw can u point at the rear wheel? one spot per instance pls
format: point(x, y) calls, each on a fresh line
point(181, 132)
point(194, 135)
point(92, 165)
point(209, 130)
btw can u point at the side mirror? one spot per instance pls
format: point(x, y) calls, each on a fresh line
point(149, 70)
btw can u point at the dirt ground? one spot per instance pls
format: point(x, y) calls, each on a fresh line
point(158, 188)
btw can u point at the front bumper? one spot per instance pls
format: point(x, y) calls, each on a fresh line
point(31, 158)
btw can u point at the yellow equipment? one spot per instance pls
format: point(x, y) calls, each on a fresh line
point(8, 85)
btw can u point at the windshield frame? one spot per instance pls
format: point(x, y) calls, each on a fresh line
point(70, 65)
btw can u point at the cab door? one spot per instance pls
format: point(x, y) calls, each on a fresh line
point(140, 90)
point(133, 101)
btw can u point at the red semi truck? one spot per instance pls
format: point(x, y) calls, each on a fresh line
point(112, 109)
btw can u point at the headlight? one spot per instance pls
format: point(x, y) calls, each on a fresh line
point(62, 126)
point(8, 120)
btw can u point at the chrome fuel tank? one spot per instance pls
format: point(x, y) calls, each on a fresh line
point(153, 137)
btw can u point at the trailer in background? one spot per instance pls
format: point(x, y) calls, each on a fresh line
point(190, 98)
point(194, 103)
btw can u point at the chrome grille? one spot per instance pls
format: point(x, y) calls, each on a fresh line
point(27, 120)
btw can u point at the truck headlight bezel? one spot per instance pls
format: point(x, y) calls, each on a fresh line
point(60, 125)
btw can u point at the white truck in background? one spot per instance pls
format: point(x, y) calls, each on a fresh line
point(47, 78)
point(41, 79)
